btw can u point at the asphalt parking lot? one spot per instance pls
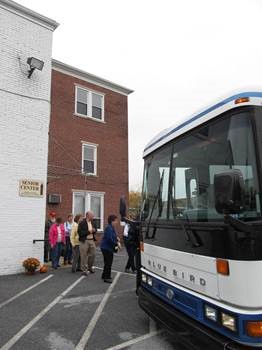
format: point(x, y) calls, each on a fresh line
point(62, 310)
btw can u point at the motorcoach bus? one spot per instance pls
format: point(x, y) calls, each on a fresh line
point(201, 226)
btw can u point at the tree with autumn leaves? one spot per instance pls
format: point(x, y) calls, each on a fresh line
point(134, 202)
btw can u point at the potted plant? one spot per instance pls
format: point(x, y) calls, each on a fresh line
point(30, 265)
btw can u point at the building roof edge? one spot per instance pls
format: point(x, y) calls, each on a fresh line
point(78, 73)
point(26, 12)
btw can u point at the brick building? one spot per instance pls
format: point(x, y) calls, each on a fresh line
point(88, 144)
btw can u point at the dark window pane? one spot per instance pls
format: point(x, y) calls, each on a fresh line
point(97, 222)
point(156, 180)
point(96, 112)
point(82, 108)
point(89, 166)
point(208, 151)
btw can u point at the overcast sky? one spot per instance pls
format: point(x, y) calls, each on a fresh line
point(178, 56)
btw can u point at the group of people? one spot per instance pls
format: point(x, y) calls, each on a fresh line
point(75, 241)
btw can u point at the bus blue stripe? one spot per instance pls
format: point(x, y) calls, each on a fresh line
point(194, 307)
point(210, 109)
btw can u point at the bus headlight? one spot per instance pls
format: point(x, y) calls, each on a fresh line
point(149, 281)
point(210, 313)
point(144, 278)
point(228, 321)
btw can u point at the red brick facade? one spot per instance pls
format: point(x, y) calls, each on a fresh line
point(68, 131)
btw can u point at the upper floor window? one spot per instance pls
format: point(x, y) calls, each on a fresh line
point(89, 159)
point(89, 103)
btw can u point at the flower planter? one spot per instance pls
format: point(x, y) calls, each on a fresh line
point(30, 265)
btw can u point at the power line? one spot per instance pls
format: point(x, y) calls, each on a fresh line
point(64, 148)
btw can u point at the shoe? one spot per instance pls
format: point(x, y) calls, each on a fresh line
point(69, 263)
point(133, 272)
point(91, 270)
point(65, 262)
point(54, 267)
point(84, 273)
point(127, 270)
point(108, 280)
point(58, 265)
point(79, 270)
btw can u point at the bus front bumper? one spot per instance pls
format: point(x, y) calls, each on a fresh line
point(190, 333)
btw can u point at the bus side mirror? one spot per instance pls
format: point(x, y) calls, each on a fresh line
point(229, 192)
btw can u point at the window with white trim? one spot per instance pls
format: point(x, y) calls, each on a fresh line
point(89, 159)
point(89, 103)
point(94, 201)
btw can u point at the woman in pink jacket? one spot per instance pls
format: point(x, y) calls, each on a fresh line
point(56, 240)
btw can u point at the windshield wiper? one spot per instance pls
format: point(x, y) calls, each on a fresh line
point(157, 198)
point(190, 234)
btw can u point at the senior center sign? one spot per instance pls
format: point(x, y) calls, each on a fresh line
point(31, 188)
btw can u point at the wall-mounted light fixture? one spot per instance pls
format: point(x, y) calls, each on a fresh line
point(34, 63)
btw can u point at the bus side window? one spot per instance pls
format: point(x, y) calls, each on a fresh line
point(155, 188)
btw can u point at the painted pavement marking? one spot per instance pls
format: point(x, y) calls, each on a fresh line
point(19, 335)
point(134, 341)
point(25, 291)
point(88, 332)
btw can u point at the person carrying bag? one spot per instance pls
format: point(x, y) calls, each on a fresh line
point(108, 247)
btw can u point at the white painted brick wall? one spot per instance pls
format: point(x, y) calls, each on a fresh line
point(24, 122)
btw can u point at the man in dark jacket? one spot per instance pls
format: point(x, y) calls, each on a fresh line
point(86, 231)
point(131, 242)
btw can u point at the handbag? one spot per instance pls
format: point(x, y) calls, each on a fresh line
point(117, 247)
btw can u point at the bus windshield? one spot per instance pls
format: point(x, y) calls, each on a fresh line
point(179, 177)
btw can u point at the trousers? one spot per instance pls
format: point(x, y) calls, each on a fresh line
point(108, 260)
point(87, 254)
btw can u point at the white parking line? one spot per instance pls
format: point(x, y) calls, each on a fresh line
point(134, 341)
point(83, 341)
point(19, 335)
point(25, 291)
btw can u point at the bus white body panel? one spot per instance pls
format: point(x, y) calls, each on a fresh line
point(198, 273)
point(192, 271)
point(243, 286)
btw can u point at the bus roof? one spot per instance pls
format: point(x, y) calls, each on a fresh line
point(254, 98)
